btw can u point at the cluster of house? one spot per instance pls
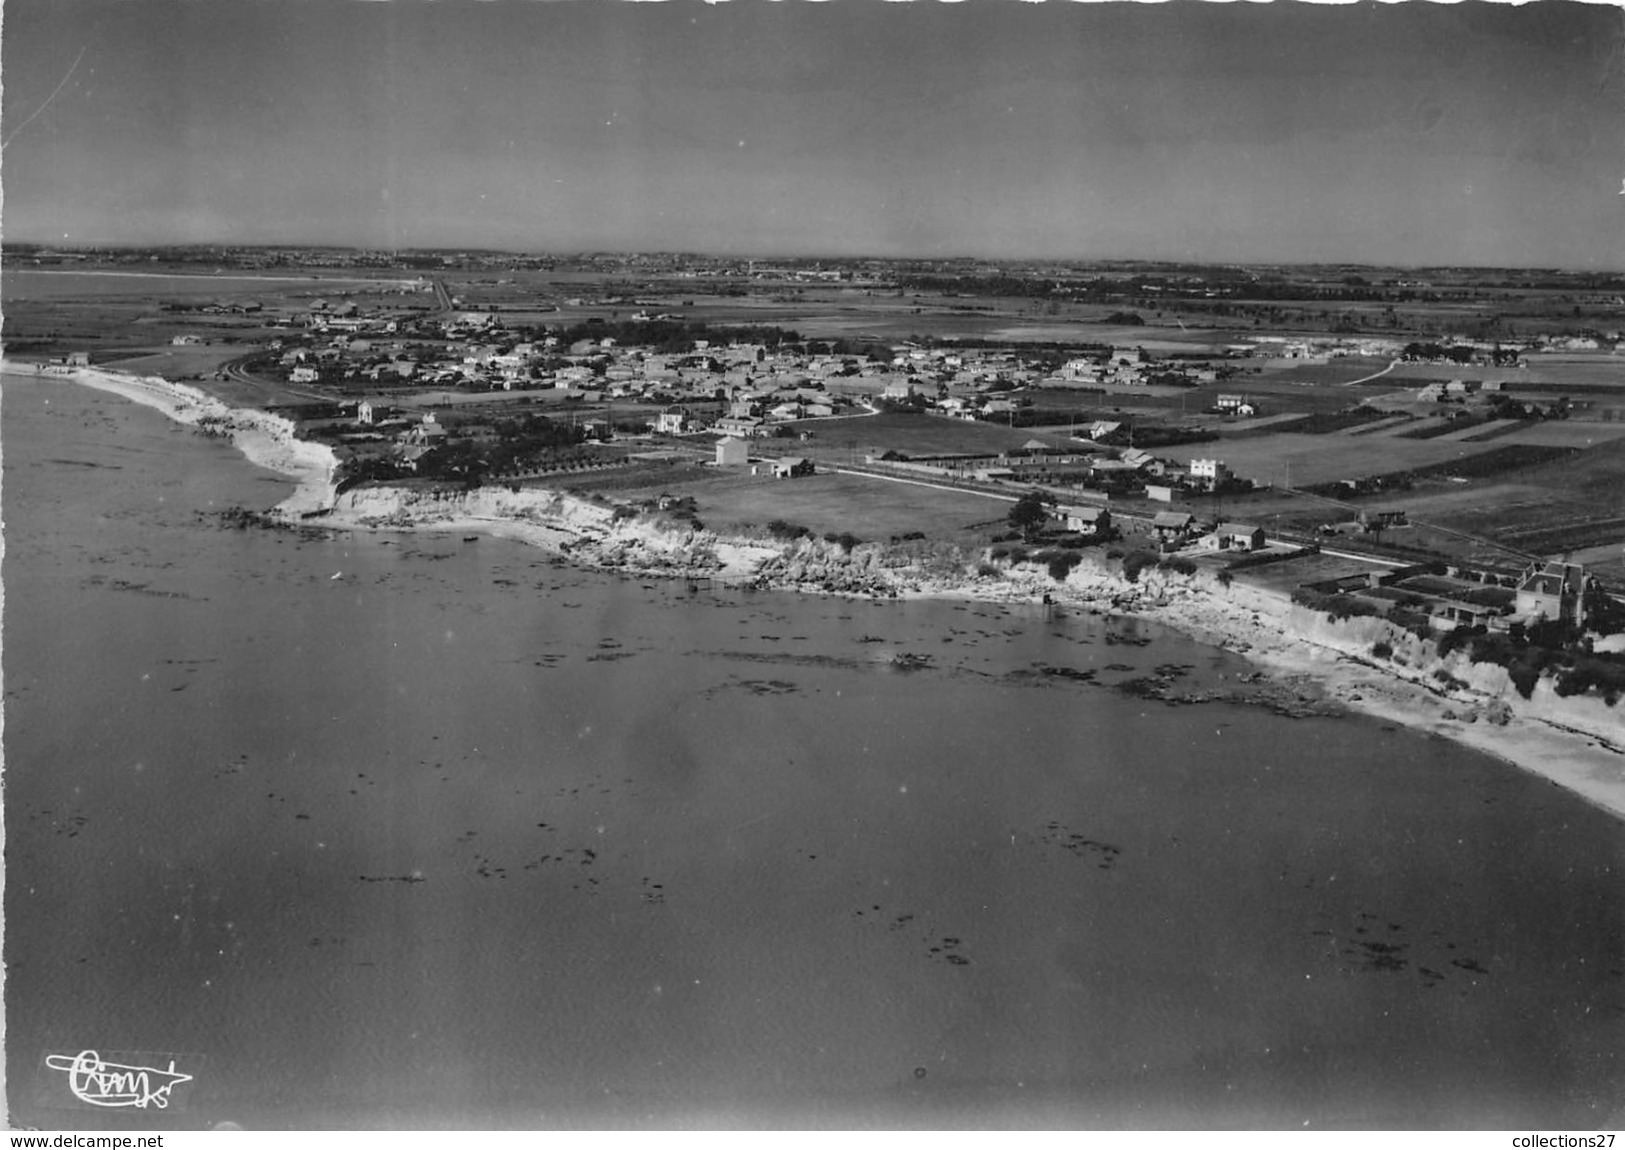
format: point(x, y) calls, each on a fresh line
point(1130, 367)
point(1463, 596)
point(473, 350)
point(1453, 389)
point(1177, 530)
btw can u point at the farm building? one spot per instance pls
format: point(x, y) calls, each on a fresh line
point(1239, 536)
point(790, 467)
point(732, 452)
point(741, 426)
point(1173, 526)
point(1087, 520)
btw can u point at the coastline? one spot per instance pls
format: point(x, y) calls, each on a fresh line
point(1578, 744)
point(266, 440)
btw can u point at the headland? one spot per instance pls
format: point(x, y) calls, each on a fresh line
point(1576, 742)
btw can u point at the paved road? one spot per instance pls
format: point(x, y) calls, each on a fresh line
point(442, 297)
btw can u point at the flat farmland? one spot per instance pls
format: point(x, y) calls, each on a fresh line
point(1600, 368)
point(912, 435)
point(1284, 394)
point(870, 508)
point(1566, 506)
point(24, 283)
point(1569, 433)
point(1336, 373)
point(1324, 458)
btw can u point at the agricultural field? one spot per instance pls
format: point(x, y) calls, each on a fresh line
point(1305, 460)
point(1569, 433)
point(83, 286)
point(1338, 372)
point(826, 502)
point(851, 438)
point(1557, 368)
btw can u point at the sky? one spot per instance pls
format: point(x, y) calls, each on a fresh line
point(1404, 134)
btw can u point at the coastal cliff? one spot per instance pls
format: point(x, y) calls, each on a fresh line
point(1577, 742)
point(1441, 692)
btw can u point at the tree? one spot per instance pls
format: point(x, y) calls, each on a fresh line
point(1029, 513)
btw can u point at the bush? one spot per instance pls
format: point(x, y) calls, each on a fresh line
point(1061, 565)
point(1137, 561)
point(1606, 676)
point(1335, 607)
point(1179, 565)
point(1382, 649)
point(779, 529)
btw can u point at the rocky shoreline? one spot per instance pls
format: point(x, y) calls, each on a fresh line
point(1315, 665)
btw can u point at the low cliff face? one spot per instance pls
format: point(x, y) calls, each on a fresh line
point(424, 507)
point(1482, 689)
point(1234, 615)
point(589, 533)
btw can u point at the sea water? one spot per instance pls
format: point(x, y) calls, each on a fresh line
point(406, 830)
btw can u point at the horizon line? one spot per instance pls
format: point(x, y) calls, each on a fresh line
point(11, 244)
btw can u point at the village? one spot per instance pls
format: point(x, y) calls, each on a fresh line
point(1357, 473)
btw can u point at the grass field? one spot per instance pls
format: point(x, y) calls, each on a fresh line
point(842, 440)
point(175, 362)
point(1570, 433)
point(1312, 459)
point(1335, 373)
point(872, 509)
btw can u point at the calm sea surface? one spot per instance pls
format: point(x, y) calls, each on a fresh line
point(713, 858)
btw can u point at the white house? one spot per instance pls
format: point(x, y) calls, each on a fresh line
point(1209, 473)
point(672, 421)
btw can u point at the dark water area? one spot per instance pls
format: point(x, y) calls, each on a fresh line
point(399, 830)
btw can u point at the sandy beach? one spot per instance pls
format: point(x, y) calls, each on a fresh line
point(266, 440)
point(1578, 744)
